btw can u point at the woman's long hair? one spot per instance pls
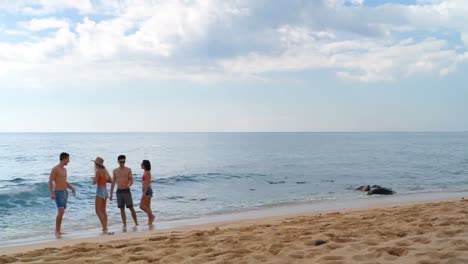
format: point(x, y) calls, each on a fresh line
point(146, 165)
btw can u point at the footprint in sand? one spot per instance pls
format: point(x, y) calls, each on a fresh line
point(297, 255)
point(275, 249)
point(145, 259)
point(397, 251)
point(333, 245)
point(459, 245)
point(448, 234)
point(403, 243)
point(332, 258)
point(365, 257)
point(422, 240)
point(428, 262)
point(371, 242)
point(443, 255)
point(140, 248)
point(158, 238)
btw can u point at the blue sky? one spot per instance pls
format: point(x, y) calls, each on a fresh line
point(234, 65)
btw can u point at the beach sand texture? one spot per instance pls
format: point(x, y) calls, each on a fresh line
point(424, 233)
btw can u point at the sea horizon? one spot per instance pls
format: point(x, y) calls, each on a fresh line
point(180, 132)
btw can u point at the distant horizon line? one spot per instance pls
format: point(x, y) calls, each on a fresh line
point(152, 132)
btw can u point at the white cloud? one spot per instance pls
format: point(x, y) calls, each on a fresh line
point(341, 2)
point(44, 23)
point(210, 40)
point(47, 50)
point(364, 60)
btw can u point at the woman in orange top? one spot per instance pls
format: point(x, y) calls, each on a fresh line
point(145, 203)
point(101, 178)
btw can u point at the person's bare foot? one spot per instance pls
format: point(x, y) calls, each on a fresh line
point(151, 220)
point(57, 234)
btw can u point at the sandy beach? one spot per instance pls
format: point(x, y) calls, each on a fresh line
point(423, 232)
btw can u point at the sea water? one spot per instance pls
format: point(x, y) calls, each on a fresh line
point(200, 174)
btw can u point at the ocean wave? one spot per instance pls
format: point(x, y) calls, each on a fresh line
point(276, 182)
point(27, 195)
point(202, 177)
point(24, 158)
point(175, 197)
point(22, 192)
point(416, 188)
point(15, 180)
point(213, 173)
point(183, 198)
point(23, 196)
point(178, 179)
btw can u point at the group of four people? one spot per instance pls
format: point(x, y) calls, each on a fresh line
point(122, 176)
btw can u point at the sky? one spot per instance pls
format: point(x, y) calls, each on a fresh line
point(233, 65)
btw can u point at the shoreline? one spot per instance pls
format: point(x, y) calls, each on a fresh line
point(430, 232)
point(235, 218)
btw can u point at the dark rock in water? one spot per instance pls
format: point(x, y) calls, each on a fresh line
point(375, 189)
point(365, 188)
point(319, 242)
point(380, 190)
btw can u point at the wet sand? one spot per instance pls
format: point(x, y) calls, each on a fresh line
point(423, 232)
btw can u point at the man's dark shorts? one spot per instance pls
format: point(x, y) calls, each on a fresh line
point(124, 198)
point(61, 198)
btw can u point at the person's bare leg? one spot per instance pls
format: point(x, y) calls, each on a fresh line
point(145, 206)
point(99, 211)
point(151, 216)
point(58, 221)
point(134, 215)
point(104, 214)
point(124, 217)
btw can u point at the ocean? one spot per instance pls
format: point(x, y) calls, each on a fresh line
point(207, 174)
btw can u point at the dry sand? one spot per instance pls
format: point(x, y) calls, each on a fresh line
point(428, 232)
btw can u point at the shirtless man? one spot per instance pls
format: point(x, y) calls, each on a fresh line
point(58, 186)
point(124, 179)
